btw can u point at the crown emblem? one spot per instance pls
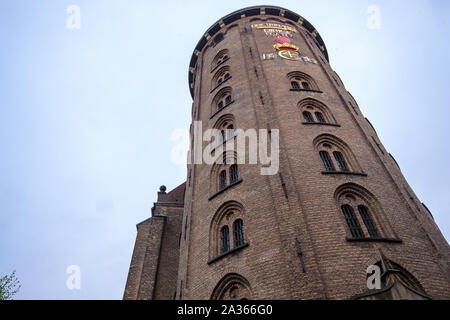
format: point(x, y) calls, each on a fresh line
point(284, 44)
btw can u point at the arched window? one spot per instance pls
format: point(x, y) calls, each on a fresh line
point(320, 110)
point(340, 161)
point(238, 232)
point(221, 100)
point(227, 230)
point(368, 222)
point(342, 157)
point(295, 85)
point(225, 124)
point(232, 287)
point(352, 222)
point(224, 172)
point(230, 131)
point(225, 237)
point(307, 116)
point(220, 58)
point(220, 77)
point(327, 163)
point(319, 117)
point(223, 180)
point(363, 214)
point(302, 81)
point(305, 85)
point(234, 174)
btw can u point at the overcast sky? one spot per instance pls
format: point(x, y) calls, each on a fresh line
point(86, 118)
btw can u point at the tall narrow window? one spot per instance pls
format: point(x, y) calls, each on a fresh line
point(320, 117)
point(327, 163)
point(352, 222)
point(222, 136)
point(340, 161)
point(223, 180)
point(367, 219)
point(238, 230)
point(295, 85)
point(225, 234)
point(220, 105)
point(227, 100)
point(308, 117)
point(230, 132)
point(305, 85)
point(234, 173)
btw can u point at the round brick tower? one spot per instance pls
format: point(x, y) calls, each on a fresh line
point(338, 202)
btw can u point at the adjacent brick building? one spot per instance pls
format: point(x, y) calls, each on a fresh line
point(338, 204)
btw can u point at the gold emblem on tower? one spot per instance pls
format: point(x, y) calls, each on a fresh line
point(286, 50)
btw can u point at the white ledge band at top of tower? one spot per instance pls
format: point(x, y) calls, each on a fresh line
point(249, 12)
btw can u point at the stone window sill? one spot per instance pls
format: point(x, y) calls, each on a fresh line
point(322, 124)
point(223, 255)
point(305, 90)
point(225, 189)
point(389, 240)
point(220, 110)
point(344, 173)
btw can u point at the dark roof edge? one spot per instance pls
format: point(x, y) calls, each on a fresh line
point(250, 11)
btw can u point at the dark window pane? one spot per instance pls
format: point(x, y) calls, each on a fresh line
point(225, 235)
point(305, 85)
point(367, 219)
point(308, 117)
point(228, 100)
point(238, 233)
point(327, 163)
point(220, 105)
point(320, 117)
point(295, 85)
point(340, 161)
point(230, 132)
point(223, 179)
point(234, 174)
point(352, 222)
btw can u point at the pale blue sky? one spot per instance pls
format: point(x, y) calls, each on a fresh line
point(86, 118)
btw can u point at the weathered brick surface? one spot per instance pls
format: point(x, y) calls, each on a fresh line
point(304, 214)
point(154, 264)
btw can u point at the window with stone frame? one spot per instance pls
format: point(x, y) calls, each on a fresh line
point(322, 114)
point(227, 229)
point(222, 100)
point(364, 218)
point(301, 81)
point(221, 57)
point(336, 156)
